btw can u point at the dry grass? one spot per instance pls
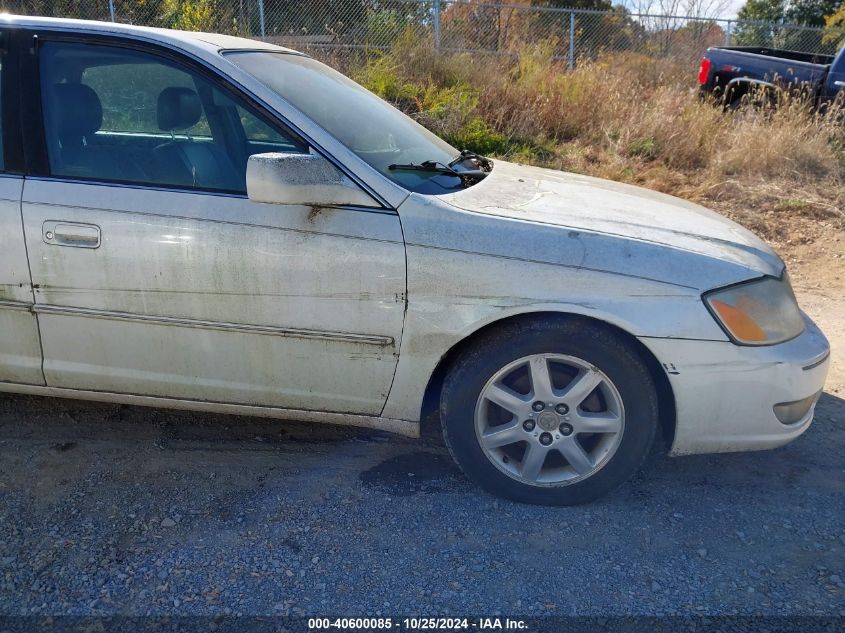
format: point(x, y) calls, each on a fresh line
point(631, 118)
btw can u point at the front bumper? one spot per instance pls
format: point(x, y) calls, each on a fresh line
point(725, 393)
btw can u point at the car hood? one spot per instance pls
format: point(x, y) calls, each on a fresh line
point(604, 207)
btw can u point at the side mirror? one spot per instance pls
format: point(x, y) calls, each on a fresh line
point(301, 179)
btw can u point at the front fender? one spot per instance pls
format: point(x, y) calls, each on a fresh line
point(469, 269)
point(452, 295)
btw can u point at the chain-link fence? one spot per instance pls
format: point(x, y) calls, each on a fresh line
point(450, 25)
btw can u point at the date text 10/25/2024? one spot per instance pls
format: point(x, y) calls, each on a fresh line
point(418, 624)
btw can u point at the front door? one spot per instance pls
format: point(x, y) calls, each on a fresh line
point(155, 275)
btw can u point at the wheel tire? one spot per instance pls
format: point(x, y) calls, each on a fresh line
point(599, 346)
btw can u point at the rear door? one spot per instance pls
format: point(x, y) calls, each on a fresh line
point(154, 273)
point(20, 350)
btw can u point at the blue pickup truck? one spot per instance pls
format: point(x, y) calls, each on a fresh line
point(730, 73)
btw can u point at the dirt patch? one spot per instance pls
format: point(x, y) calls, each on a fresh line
point(62, 447)
point(411, 473)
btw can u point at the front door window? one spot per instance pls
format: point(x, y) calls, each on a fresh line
point(117, 114)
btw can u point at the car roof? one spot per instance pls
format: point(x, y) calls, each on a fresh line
point(183, 39)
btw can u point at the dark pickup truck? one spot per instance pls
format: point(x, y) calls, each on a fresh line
point(732, 72)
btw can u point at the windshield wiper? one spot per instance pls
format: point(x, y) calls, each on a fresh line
point(482, 161)
point(468, 177)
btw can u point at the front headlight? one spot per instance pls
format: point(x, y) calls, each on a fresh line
point(759, 312)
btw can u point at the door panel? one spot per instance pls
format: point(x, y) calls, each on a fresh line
point(20, 349)
point(177, 285)
point(217, 298)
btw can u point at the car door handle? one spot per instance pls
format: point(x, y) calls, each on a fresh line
point(71, 234)
point(839, 84)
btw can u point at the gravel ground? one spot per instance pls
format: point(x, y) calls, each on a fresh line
point(120, 510)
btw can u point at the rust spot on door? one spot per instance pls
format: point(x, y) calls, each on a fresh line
point(313, 213)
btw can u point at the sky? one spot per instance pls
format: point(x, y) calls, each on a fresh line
point(735, 6)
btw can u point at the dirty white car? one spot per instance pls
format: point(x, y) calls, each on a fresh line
point(203, 222)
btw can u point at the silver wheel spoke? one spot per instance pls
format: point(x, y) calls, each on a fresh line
point(532, 461)
point(576, 456)
point(541, 379)
point(544, 419)
point(503, 435)
point(506, 399)
point(582, 386)
point(597, 423)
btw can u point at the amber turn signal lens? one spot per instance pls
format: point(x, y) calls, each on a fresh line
point(738, 322)
point(762, 311)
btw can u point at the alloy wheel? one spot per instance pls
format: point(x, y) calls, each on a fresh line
point(549, 419)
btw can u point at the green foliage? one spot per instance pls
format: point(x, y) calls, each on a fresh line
point(449, 105)
point(190, 15)
point(619, 32)
point(811, 12)
point(64, 8)
point(763, 10)
point(835, 28)
point(438, 103)
point(531, 151)
point(386, 25)
point(644, 148)
point(758, 34)
point(382, 75)
point(477, 135)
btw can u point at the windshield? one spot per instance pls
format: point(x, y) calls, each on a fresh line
point(373, 129)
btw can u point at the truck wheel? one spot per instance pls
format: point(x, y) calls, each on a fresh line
point(555, 411)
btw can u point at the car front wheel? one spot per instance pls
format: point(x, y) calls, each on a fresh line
point(551, 410)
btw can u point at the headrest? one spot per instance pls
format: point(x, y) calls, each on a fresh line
point(178, 109)
point(79, 112)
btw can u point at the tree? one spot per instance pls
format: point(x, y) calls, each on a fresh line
point(668, 26)
point(611, 30)
point(834, 33)
point(598, 26)
point(761, 16)
point(784, 22)
point(763, 10)
point(692, 38)
point(671, 9)
point(598, 5)
point(479, 25)
point(810, 12)
point(83, 9)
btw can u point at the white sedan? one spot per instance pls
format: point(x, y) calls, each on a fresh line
point(204, 222)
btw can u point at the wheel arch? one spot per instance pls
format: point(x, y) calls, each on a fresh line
point(737, 88)
point(429, 411)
